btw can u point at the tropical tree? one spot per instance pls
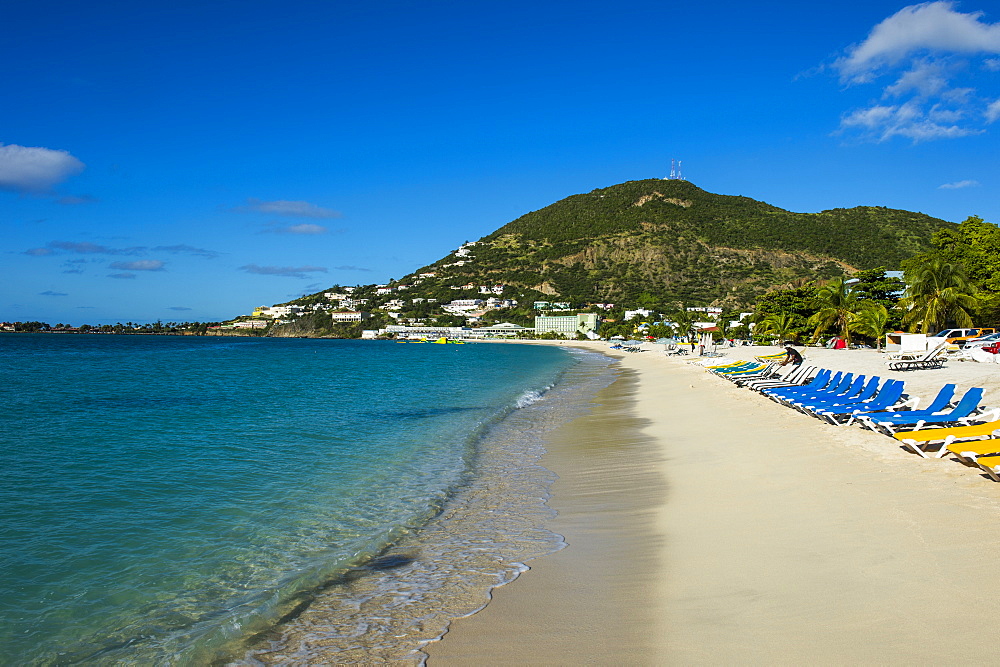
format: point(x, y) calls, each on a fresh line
point(684, 320)
point(872, 321)
point(778, 325)
point(938, 292)
point(838, 303)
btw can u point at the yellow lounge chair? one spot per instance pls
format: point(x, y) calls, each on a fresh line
point(991, 466)
point(968, 452)
point(916, 440)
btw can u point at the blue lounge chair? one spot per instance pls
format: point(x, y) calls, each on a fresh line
point(854, 390)
point(840, 382)
point(916, 419)
point(888, 398)
point(864, 393)
point(822, 380)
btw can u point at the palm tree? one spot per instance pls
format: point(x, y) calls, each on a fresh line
point(779, 325)
point(872, 321)
point(684, 321)
point(838, 303)
point(937, 292)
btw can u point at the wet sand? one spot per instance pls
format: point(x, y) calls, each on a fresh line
point(593, 601)
point(729, 529)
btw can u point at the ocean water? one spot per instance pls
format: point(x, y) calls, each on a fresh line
point(190, 500)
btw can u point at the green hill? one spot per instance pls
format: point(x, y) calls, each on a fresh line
point(655, 243)
point(672, 241)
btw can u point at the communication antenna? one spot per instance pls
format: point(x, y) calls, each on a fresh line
point(680, 174)
point(673, 169)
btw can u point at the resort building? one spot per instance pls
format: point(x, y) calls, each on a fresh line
point(568, 325)
point(250, 324)
point(504, 330)
point(459, 306)
point(349, 316)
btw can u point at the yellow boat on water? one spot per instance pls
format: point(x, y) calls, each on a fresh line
point(443, 340)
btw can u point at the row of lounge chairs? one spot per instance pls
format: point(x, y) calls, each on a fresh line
point(962, 426)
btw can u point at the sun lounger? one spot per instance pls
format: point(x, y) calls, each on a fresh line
point(824, 379)
point(734, 368)
point(772, 372)
point(919, 440)
point(865, 392)
point(840, 383)
point(933, 358)
point(940, 403)
point(752, 369)
point(765, 370)
point(890, 422)
point(888, 397)
point(858, 391)
point(796, 376)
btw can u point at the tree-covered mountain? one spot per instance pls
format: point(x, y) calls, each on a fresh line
point(669, 240)
point(652, 243)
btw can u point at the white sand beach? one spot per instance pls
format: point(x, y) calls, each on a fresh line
point(749, 533)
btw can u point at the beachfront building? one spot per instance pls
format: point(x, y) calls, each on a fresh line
point(349, 316)
point(504, 330)
point(251, 324)
point(567, 325)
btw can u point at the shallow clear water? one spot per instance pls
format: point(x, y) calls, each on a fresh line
point(163, 496)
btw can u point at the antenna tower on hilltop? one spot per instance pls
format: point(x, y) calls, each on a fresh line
point(675, 170)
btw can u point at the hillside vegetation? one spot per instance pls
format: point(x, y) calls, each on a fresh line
point(664, 241)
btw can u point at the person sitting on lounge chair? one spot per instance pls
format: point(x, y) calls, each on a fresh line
point(792, 356)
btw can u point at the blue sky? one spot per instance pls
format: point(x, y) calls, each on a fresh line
point(191, 160)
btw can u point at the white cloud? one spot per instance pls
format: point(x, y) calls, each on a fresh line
point(992, 112)
point(306, 228)
point(295, 209)
point(880, 123)
point(926, 78)
point(34, 169)
point(925, 48)
point(929, 26)
point(958, 185)
point(138, 265)
point(286, 271)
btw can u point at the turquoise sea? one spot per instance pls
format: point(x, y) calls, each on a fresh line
point(188, 500)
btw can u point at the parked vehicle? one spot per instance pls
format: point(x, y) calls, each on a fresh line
point(982, 341)
point(959, 336)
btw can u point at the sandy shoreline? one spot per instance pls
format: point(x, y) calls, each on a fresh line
point(748, 533)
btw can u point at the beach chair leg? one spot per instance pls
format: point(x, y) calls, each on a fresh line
point(914, 447)
point(992, 472)
point(944, 446)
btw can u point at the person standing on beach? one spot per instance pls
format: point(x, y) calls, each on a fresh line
point(793, 357)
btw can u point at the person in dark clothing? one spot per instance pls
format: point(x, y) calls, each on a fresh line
point(793, 358)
